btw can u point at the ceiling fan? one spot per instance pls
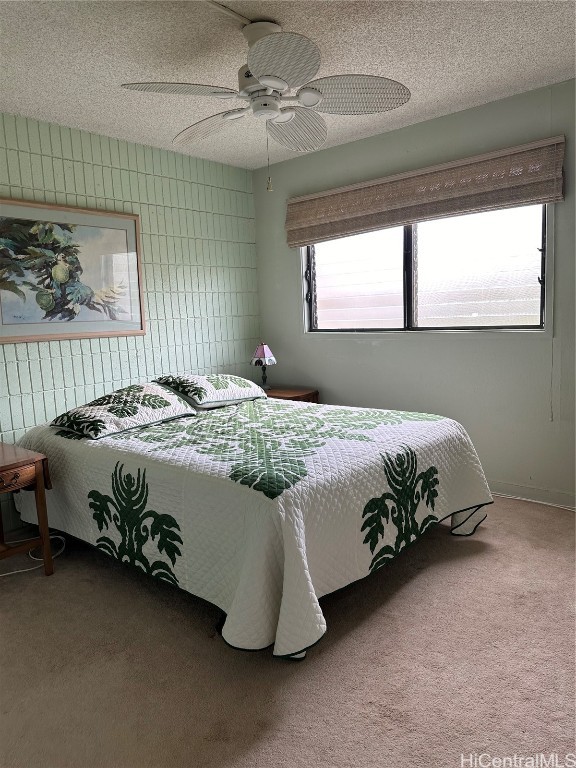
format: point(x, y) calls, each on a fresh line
point(276, 86)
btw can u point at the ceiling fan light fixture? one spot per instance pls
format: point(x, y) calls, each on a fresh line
point(309, 97)
point(265, 107)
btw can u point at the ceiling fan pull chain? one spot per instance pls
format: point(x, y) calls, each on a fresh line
point(269, 187)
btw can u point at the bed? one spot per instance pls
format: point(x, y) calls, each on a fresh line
point(263, 506)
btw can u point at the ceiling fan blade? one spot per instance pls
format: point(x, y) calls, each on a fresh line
point(358, 94)
point(203, 128)
point(305, 132)
point(285, 55)
point(182, 89)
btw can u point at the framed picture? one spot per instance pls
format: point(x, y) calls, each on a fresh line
point(68, 273)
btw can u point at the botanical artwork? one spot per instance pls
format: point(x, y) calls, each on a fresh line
point(399, 505)
point(126, 511)
point(266, 443)
point(69, 275)
point(40, 259)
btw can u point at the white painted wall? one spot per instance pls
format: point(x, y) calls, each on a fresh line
point(513, 391)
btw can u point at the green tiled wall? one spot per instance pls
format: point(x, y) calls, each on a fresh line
point(198, 259)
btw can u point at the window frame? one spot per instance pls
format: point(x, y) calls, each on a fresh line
point(309, 284)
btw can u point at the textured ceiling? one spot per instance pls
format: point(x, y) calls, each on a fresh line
point(64, 61)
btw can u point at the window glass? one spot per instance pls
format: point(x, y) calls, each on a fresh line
point(359, 281)
point(480, 269)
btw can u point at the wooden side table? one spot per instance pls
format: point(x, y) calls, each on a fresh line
point(294, 393)
point(21, 469)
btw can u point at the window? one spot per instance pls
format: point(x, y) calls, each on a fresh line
point(480, 270)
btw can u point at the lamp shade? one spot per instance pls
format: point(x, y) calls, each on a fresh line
point(263, 355)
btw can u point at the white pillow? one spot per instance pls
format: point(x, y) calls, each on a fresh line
point(213, 390)
point(134, 406)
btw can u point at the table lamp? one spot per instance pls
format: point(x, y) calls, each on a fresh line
point(263, 356)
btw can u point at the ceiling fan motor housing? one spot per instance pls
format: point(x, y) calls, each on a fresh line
point(265, 107)
point(247, 83)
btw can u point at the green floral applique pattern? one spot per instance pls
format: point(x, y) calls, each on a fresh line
point(399, 506)
point(125, 402)
point(76, 426)
point(126, 511)
point(265, 441)
point(226, 380)
point(183, 386)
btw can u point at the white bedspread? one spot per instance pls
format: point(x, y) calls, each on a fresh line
point(262, 508)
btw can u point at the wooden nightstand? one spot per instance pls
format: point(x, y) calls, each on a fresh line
point(26, 470)
point(294, 393)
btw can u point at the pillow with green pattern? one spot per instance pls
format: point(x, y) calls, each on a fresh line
point(212, 390)
point(134, 406)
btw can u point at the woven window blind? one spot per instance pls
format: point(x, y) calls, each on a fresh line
point(528, 174)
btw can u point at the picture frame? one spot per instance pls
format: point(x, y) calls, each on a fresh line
point(68, 273)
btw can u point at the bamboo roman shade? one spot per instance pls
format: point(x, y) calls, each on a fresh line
point(529, 174)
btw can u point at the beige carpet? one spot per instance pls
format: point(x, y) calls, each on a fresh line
point(459, 646)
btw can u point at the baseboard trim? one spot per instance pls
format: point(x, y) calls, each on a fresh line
point(538, 495)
